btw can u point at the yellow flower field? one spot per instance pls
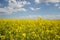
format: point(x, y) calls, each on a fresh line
point(11, 29)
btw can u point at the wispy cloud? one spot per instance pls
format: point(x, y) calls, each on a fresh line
point(51, 16)
point(33, 9)
point(5, 10)
point(18, 5)
point(14, 6)
point(43, 17)
point(52, 1)
point(30, 17)
point(56, 5)
point(37, 1)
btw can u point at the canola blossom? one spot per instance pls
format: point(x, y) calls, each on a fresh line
point(29, 29)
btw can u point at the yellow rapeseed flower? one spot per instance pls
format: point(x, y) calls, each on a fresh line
point(24, 34)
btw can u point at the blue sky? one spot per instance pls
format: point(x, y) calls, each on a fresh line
point(47, 9)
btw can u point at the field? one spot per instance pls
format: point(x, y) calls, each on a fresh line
point(11, 29)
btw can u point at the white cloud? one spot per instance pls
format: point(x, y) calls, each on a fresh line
point(20, 9)
point(30, 17)
point(56, 5)
point(5, 10)
point(33, 9)
point(37, 1)
point(51, 16)
point(43, 17)
point(13, 3)
point(52, 1)
point(14, 6)
point(25, 2)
